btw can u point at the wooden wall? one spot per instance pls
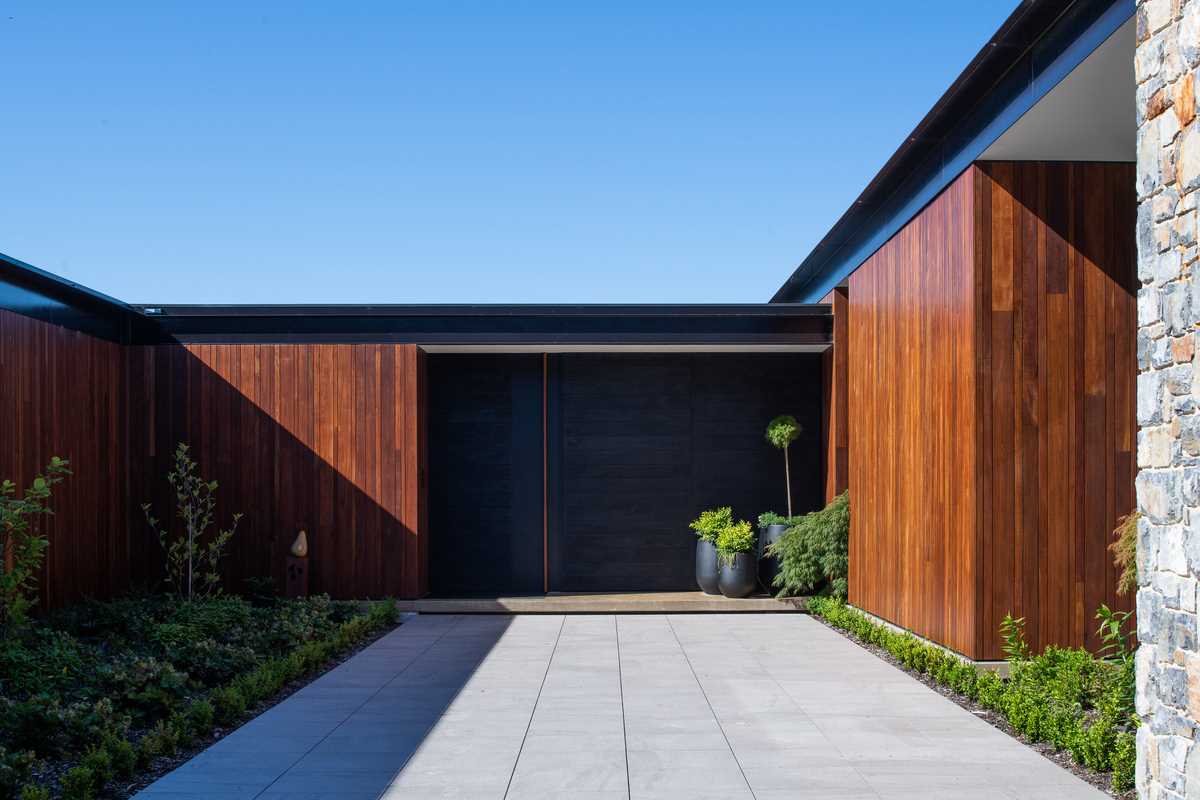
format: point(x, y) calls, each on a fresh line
point(913, 551)
point(1058, 370)
point(61, 394)
point(835, 371)
point(326, 438)
point(992, 402)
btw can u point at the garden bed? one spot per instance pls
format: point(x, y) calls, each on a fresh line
point(1073, 708)
point(98, 699)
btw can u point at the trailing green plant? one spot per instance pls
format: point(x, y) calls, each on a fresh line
point(22, 543)
point(32, 792)
point(781, 432)
point(194, 555)
point(1066, 697)
point(738, 537)
point(710, 523)
point(1012, 632)
point(814, 552)
point(1124, 550)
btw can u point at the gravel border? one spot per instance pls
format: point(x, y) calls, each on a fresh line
point(1101, 780)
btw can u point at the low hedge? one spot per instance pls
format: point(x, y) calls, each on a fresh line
point(162, 709)
point(1065, 697)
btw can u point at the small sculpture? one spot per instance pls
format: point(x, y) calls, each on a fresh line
point(300, 546)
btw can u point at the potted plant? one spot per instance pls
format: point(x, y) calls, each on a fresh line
point(770, 528)
point(781, 432)
point(707, 527)
point(737, 547)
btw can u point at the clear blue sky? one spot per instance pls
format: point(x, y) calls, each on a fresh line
point(356, 152)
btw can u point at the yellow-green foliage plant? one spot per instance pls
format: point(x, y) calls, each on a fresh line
point(736, 538)
point(710, 523)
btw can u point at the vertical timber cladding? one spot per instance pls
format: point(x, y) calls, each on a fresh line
point(486, 486)
point(641, 443)
point(835, 368)
point(1059, 333)
point(322, 437)
point(63, 394)
point(912, 459)
point(992, 394)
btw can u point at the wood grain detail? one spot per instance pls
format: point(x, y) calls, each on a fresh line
point(991, 453)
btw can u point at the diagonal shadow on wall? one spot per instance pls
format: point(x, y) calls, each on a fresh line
point(321, 438)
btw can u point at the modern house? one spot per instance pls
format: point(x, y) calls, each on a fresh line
point(960, 349)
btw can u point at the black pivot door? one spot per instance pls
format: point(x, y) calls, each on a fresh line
point(485, 475)
point(640, 444)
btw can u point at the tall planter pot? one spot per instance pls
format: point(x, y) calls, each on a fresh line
point(707, 568)
point(768, 566)
point(739, 577)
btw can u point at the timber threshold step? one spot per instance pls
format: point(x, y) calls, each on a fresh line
point(605, 603)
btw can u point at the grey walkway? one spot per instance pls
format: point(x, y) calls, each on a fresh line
point(703, 707)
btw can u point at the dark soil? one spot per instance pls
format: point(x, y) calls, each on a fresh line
point(1101, 780)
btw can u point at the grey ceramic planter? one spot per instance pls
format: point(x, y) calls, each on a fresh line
point(707, 567)
point(768, 566)
point(739, 578)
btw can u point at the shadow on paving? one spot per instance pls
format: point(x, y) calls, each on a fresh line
point(350, 732)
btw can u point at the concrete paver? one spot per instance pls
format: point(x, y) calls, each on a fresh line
point(608, 707)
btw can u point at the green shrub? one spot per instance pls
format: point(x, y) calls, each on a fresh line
point(1064, 696)
point(31, 792)
point(148, 687)
point(78, 783)
point(709, 524)
point(735, 539)
point(23, 544)
point(229, 704)
point(814, 553)
point(100, 763)
point(123, 753)
point(771, 518)
point(14, 770)
point(201, 715)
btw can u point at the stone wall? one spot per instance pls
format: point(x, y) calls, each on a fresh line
point(1168, 484)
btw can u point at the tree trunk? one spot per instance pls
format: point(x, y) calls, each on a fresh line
point(787, 475)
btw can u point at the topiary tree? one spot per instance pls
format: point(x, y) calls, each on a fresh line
point(781, 432)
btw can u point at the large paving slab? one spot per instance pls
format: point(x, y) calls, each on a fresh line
point(608, 707)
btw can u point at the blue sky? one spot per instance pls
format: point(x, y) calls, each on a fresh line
point(361, 152)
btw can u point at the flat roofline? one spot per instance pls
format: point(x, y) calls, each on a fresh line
point(1039, 44)
point(487, 310)
point(541, 325)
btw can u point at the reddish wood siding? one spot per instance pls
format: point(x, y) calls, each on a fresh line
point(912, 450)
point(835, 438)
point(61, 394)
point(991, 450)
point(326, 438)
point(1060, 334)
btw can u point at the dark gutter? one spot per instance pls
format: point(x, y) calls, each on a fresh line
point(32, 292)
point(574, 324)
point(1036, 47)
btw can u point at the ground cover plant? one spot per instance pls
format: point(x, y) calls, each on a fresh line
point(98, 691)
point(1067, 697)
point(92, 694)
